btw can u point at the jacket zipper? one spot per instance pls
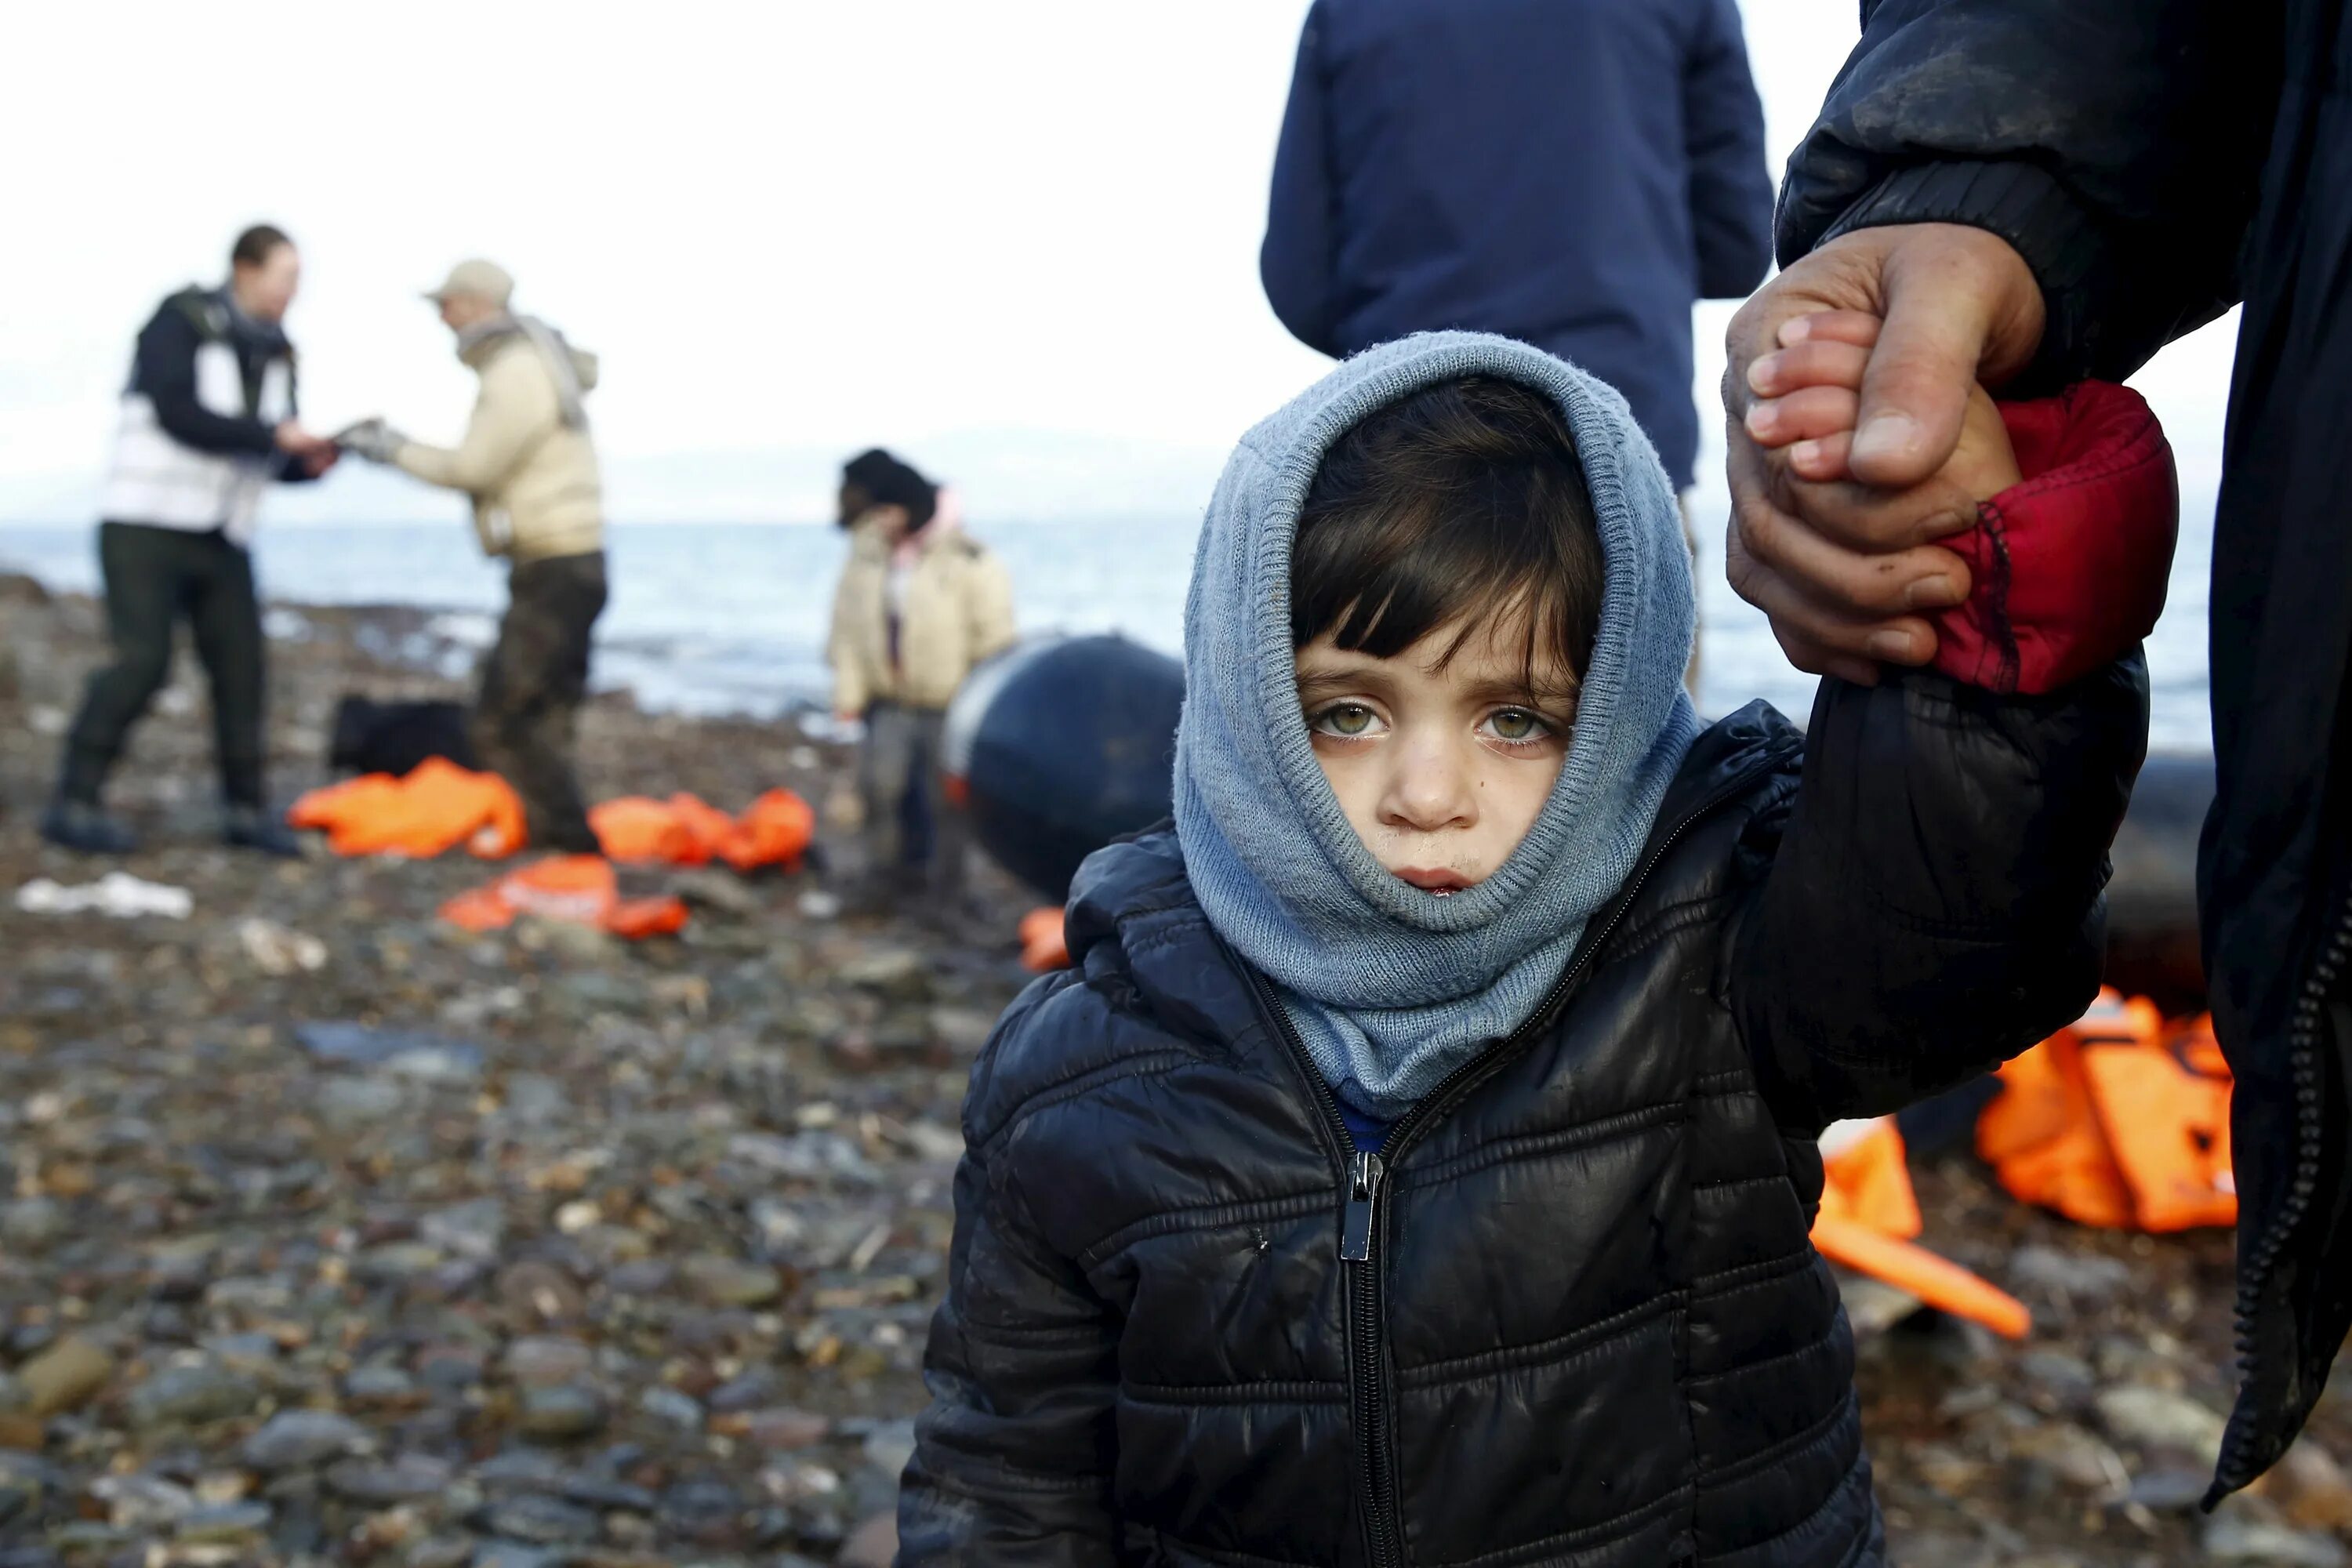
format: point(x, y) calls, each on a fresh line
point(1363, 1172)
point(2234, 1469)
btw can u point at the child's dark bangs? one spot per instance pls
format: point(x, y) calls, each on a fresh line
point(1465, 505)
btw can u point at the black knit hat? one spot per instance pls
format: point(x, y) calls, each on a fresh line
point(890, 482)
point(869, 470)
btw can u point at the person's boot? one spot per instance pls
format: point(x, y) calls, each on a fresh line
point(251, 827)
point(79, 826)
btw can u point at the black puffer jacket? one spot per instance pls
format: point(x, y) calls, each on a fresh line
point(1570, 1313)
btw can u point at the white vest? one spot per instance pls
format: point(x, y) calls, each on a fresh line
point(155, 479)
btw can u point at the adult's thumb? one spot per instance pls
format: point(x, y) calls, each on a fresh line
point(1915, 390)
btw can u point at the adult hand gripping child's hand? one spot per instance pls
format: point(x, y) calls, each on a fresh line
point(1813, 385)
point(2072, 566)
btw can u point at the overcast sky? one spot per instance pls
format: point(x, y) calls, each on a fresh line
point(1000, 231)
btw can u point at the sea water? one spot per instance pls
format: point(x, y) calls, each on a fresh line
point(731, 617)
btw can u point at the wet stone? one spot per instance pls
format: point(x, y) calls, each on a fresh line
point(538, 1519)
point(725, 1282)
point(705, 1512)
point(406, 1477)
point(535, 1294)
point(513, 1554)
point(23, 1485)
point(228, 1524)
point(787, 1430)
point(560, 1414)
point(2310, 1488)
point(194, 1395)
point(641, 1276)
point(533, 1098)
point(448, 1369)
point(521, 1471)
point(295, 1440)
point(440, 1552)
point(890, 1444)
point(672, 1408)
point(897, 972)
point(2235, 1535)
point(746, 1390)
point(2085, 1277)
point(141, 1503)
point(2062, 1376)
point(354, 1102)
point(250, 1352)
point(542, 1361)
point(379, 1384)
point(610, 1497)
point(31, 1225)
point(471, 1230)
point(64, 1376)
point(2153, 1418)
point(873, 1544)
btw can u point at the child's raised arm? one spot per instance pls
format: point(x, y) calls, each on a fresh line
point(1934, 902)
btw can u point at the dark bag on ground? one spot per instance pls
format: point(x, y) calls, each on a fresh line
point(395, 737)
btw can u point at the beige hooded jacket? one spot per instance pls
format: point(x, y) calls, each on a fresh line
point(526, 458)
point(956, 611)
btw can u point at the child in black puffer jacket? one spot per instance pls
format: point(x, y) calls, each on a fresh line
point(1416, 1166)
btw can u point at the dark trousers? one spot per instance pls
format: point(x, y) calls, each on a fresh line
point(898, 771)
point(532, 685)
point(154, 578)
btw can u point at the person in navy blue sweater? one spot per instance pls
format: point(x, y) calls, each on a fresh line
point(1574, 174)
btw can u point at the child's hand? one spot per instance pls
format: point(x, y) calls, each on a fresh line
point(1813, 385)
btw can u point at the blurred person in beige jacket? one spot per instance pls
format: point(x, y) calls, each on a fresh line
point(529, 466)
point(920, 604)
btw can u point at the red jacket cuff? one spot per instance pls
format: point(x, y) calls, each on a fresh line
point(2070, 565)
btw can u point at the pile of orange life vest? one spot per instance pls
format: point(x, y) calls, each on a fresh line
point(440, 805)
point(2120, 1121)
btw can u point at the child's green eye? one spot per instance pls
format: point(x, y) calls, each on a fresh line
point(1349, 719)
point(1516, 725)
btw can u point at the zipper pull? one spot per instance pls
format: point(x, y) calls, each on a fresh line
point(1363, 1193)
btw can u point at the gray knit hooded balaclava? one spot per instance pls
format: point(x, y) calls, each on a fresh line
point(1391, 989)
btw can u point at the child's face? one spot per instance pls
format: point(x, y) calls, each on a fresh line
point(1441, 771)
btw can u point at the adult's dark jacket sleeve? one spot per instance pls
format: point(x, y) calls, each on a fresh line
point(165, 370)
point(1723, 137)
point(1014, 1456)
point(1298, 263)
point(2116, 143)
point(1934, 901)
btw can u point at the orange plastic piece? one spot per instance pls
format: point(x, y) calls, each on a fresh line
point(1937, 1282)
point(637, 918)
point(1042, 944)
point(2118, 1122)
point(1868, 1214)
point(2168, 1130)
point(776, 830)
point(435, 809)
point(2043, 1140)
point(578, 887)
point(638, 827)
point(704, 829)
point(1866, 1178)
